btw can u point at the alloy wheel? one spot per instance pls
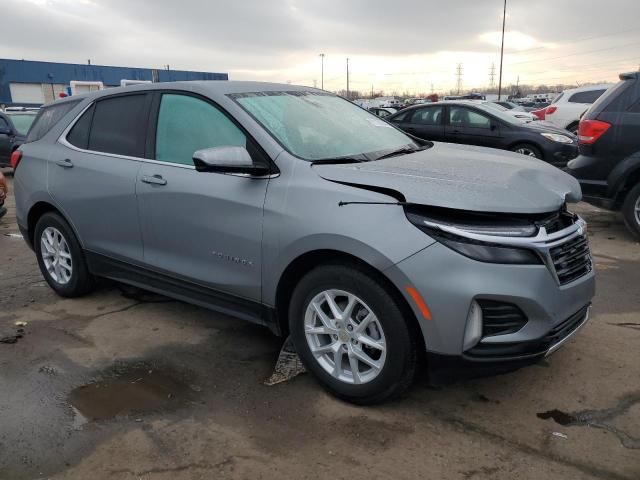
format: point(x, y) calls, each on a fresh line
point(56, 255)
point(345, 336)
point(636, 210)
point(526, 151)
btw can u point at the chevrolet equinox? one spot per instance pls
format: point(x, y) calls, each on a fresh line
point(295, 209)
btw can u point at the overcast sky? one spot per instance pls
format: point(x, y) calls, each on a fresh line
point(392, 44)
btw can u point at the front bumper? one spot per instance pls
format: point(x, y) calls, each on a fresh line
point(446, 369)
point(449, 282)
point(561, 153)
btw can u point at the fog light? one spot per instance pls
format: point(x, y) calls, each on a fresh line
point(473, 331)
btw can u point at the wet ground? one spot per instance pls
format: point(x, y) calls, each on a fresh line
point(127, 385)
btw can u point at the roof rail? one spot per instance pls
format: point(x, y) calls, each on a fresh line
point(629, 76)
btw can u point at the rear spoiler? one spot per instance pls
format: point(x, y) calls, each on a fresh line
point(629, 76)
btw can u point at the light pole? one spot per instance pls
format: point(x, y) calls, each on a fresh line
point(504, 20)
point(322, 71)
point(347, 79)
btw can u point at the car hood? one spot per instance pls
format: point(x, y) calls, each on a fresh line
point(465, 178)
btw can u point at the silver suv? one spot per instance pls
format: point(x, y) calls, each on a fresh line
point(295, 209)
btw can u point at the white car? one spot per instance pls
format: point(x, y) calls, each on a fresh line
point(567, 108)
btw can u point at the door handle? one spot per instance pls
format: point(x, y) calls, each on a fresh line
point(154, 180)
point(66, 163)
point(456, 131)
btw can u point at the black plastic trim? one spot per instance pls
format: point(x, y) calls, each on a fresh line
point(182, 289)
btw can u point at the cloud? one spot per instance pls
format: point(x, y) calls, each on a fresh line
point(417, 41)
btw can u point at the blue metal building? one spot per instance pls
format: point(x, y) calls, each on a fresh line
point(29, 83)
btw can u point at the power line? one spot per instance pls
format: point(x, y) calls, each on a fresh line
point(575, 54)
point(584, 39)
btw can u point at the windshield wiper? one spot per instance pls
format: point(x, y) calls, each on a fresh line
point(402, 151)
point(338, 160)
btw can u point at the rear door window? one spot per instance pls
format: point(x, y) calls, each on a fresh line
point(586, 97)
point(120, 125)
point(47, 118)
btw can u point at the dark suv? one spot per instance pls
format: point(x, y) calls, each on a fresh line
point(608, 166)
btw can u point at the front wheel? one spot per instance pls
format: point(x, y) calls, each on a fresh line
point(528, 150)
point(631, 211)
point(350, 333)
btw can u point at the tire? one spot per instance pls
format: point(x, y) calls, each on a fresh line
point(631, 211)
point(54, 235)
point(528, 150)
point(387, 328)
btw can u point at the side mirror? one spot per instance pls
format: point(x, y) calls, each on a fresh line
point(494, 127)
point(5, 130)
point(227, 159)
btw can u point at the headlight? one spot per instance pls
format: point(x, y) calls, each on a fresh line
point(555, 137)
point(479, 250)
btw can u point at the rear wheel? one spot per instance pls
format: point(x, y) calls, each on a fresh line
point(60, 257)
point(631, 211)
point(528, 150)
point(349, 332)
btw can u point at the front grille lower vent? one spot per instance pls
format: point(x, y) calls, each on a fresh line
point(572, 259)
point(500, 318)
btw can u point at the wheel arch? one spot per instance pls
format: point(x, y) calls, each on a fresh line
point(306, 262)
point(37, 210)
point(532, 143)
point(623, 178)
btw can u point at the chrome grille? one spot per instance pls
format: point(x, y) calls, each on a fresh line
point(571, 259)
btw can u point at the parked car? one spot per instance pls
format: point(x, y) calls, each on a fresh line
point(383, 112)
point(4, 189)
point(475, 123)
point(515, 113)
point(294, 208)
point(14, 126)
point(509, 105)
point(608, 166)
point(567, 108)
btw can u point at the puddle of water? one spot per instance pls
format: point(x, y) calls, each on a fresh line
point(599, 419)
point(559, 417)
point(130, 389)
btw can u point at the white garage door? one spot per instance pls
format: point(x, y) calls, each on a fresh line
point(26, 93)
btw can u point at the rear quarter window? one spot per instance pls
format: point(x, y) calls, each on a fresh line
point(47, 117)
point(586, 97)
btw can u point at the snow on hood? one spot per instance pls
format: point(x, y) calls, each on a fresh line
point(465, 178)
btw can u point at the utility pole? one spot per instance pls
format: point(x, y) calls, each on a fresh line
point(492, 75)
point(322, 71)
point(372, 91)
point(459, 75)
point(504, 21)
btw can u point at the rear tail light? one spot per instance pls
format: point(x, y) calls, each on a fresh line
point(16, 156)
point(539, 113)
point(590, 131)
point(550, 109)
